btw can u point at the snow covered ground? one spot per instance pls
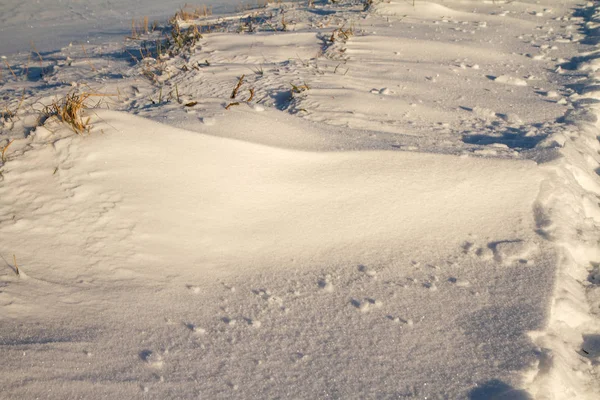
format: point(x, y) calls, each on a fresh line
point(343, 200)
point(51, 24)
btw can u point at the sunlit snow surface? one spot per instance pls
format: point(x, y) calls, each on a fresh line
point(410, 211)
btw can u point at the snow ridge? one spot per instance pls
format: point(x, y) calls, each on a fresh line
point(568, 214)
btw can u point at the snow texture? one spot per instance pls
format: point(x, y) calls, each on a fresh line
point(325, 200)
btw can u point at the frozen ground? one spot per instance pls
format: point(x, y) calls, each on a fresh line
point(335, 201)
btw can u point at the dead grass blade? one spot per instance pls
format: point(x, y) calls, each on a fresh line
point(237, 87)
point(10, 69)
point(4, 151)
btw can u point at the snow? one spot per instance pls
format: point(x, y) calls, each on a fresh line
point(394, 202)
point(50, 24)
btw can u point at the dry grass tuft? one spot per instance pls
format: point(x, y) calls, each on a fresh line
point(183, 38)
point(341, 34)
point(10, 69)
point(299, 88)
point(70, 111)
point(141, 27)
point(189, 13)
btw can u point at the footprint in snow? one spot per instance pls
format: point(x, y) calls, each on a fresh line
point(485, 253)
point(371, 273)
point(511, 251)
point(399, 320)
point(254, 323)
point(366, 304)
point(459, 282)
point(152, 359)
point(196, 329)
point(193, 289)
point(266, 295)
point(326, 285)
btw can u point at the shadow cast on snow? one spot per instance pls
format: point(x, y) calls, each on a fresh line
point(498, 390)
point(514, 138)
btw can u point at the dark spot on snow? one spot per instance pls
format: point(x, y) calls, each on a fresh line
point(594, 274)
point(145, 354)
